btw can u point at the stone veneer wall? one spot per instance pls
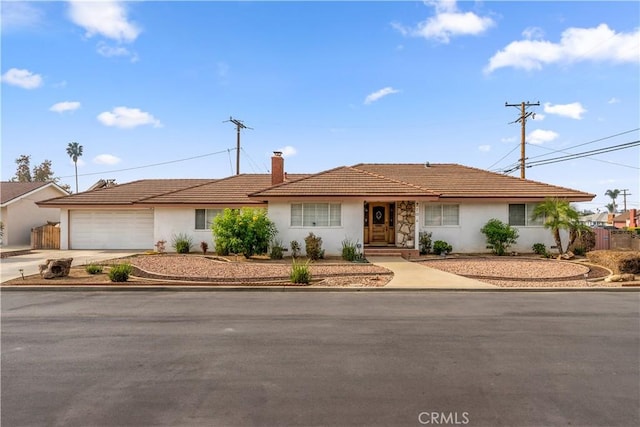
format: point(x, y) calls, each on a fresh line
point(405, 224)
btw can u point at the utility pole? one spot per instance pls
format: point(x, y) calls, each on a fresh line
point(239, 125)
point(524, 115)
point(624, 197)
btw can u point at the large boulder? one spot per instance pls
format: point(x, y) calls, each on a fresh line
point(53, 268)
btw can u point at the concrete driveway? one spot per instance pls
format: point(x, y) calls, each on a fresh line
point(10, 266)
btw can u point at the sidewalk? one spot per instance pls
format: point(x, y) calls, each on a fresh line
point(410, 275)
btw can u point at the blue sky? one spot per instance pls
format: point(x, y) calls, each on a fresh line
point(328, 83)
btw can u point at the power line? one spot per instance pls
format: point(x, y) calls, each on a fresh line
point(524, 115)
point(151, 165)
point(503, 157)
point(239, 125)
point(595, 160)
point(585, 154)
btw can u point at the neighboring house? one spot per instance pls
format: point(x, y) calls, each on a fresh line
point(19, 212)
point(385, 205)
point(595, 220)
point(626, 219)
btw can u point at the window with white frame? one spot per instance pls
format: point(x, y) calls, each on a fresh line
point(316, 215)
point(204, 218)
point(520, 214)
point(436, 215)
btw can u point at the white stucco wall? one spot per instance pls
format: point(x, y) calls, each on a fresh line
point(21, 215)
point(467, 237)
point(169, 222)
point(332, 237)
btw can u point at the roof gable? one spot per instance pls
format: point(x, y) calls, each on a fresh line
point(11, 191)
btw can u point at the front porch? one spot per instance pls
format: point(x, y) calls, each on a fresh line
point(389, 228)
point(391, 250)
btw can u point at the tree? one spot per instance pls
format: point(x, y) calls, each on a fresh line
point(614, 195)
point(74, 150)
point(40, 173)
point(577, 232)
point(246, 231)
point(43, 172)
point(500, 236)
point(610, 207)
point(558, 215)
point(23, 171)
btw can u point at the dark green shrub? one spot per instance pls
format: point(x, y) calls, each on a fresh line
point(182, 243)
point(539, 249)
point(500, 236)
point(580, 251)
point(295, 248)
point(441, 247)
point(277, 250)
point(300, 273)
point(120, 272)
point(349, 250)
point(246, 231)
point(314, 247)
point(93, 269)
point(425, 242)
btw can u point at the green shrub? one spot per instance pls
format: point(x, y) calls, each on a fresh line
point(441, 247)
point(182, 243)
point(277, 250)
point(314, 247)
point(424, 241)
point(247, 231)
point(349, 250)
point(500, 236)
point(580, 251)
point(120, 272)
point(295, 248)
point(93, 269)
point(300, 273)
point(539, 249)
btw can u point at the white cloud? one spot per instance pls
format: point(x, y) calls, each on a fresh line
point(61, 107)
point(538, 116)
point(373, 97)
point(80, 162)
point(509, 139)
point(613, 100)
point(106, 159)
point(106, 18)
point(540, 136)
point(17, 15)
point(532, 33)
point(126, 118)
point(446, 23)
point(111, 51)
point(600, 44)
point(575, 110)
point(22, 78)
point(484, 148)
point(288, 151)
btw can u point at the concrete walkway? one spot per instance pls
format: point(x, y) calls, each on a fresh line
point(10, 267)
point(413, 275)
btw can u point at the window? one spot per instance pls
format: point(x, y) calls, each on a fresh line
point(438, 215)
point(204, 218)
point(520, 214)
point(316, 215)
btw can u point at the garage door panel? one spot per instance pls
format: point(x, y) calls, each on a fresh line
point(117, 229)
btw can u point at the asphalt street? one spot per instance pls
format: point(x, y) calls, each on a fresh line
point(307, 359)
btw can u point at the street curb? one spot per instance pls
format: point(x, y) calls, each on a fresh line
point(174, 288)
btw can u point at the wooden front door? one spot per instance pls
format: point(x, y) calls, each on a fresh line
point(379, 223)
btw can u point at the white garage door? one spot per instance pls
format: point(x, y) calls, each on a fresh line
point(121, 229)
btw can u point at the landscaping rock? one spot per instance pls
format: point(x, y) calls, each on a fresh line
point(53, 268)
point(626, 277)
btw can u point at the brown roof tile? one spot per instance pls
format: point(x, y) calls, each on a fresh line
point(10, 190)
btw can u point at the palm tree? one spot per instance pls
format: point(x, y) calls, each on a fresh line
point(614, 195)
point(74, 150)
point(610, 207)
point(558, 215)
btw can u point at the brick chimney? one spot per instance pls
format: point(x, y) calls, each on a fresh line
point(277, 168)
point(632, 218)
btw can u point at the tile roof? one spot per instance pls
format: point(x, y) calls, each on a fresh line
point(443, 180)
point(10, 190)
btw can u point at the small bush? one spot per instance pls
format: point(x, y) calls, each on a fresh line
point(349, 250)
point(500, 236)
point(441, 247)
point(580, 251)
point(246, 231)
point(93, 269)
point(182, 243)
point(539, 249)
point(295, 248)
point(204, 246)
point(300, 273)
point(630, 265)
point(314, 247)
point(277, 250)
point(120, 272)
point(425, 242)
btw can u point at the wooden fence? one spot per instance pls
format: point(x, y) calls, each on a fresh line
point(45, 237)
point(620, 240)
